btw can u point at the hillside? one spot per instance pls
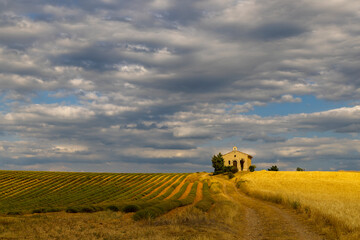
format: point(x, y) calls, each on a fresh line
point(25, 191)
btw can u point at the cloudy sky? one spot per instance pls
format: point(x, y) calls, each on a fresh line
point(162, 85)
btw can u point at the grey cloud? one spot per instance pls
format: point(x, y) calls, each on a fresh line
point(279, 30)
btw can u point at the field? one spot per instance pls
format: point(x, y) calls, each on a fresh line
point(59, 205)
point(330, 197)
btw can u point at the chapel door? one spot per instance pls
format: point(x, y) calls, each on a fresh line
point(242, 165)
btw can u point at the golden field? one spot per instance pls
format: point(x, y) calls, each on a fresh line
point(198, 206)
point(333, 198)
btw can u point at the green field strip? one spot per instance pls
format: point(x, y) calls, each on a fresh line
point(172, 182)
point(70, 186)
point(9, 186)
point(69, 197)
point(74, 195)
point(158, 191)
point(171, 188)
point(22, 187)
point(191, 196)
point(180, 192)
point(139, 193)
point(109, 191)
point(142, 203)
point(18, 189)
point(139, 187)
point(42, 190)
point(26, 191)
point(36, 181)
point(30, 194)
point(207, 201)
point(135, 191)
point(165, 206)
point(123, 193)
point(131, 189)
point(41, 181)
point(154, 187)
point(16, 179)
point(8, 182)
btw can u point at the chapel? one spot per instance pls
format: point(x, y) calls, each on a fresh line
point(238, 159)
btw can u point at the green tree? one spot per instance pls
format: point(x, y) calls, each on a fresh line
point(252, 168)
point(273, 168)
point(218, 163)
point(300, 169)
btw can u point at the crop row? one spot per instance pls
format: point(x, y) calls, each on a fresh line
point(165, 206)
point(20, 190)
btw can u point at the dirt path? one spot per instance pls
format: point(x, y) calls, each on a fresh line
point(264, 220)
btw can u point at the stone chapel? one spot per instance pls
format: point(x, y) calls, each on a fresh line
point(238, 159)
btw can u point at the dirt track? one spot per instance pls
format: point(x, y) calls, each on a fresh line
point(264, 220)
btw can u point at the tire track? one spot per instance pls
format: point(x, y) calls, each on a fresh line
point(265, 220)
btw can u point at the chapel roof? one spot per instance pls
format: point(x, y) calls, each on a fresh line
point(235, 150)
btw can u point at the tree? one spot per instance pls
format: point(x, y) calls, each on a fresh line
point(273, 168)
point(300, 169)
point(218, 163)
point(252, 168)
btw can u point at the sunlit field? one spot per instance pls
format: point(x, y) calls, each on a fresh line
point(332, 197)
point(149, 195)
point(58, 205)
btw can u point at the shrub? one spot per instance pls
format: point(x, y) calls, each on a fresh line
point(273, 168)
point(300, 169)
point(72, 210)
point(45, 210)
point(231, 175)
point(14, 213)
point(131, 208)
point(295, 204)
point(234, 169)
point(218, 172)
point(113, 208)
point(87, 210)
point(252, 168)
point(53, 210)
point(227, 169)
point(42, 210)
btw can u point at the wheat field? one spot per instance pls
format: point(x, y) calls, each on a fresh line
point(334, 197)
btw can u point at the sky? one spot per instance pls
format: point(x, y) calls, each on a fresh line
point(163, 85)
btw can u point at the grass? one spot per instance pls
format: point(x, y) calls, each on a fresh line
point(329, 198)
